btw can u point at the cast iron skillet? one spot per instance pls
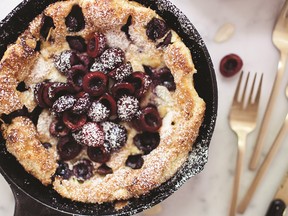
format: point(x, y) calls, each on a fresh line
point(32, 198)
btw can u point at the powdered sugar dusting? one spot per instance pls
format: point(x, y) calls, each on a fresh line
point(62, 61)
point(63, 103)
point(77, 135)
point(127, 107)
point(54, 86)
point(41, 69)
point(9, 99)
point(123, 71)
point(164, 96)
point(147, 81)
point(101, 41)
point(115, 134)
point(186, 26)
point(117, 38)
point(82, 104)
point(91, 135)
point(112, 58)
point(98, 112)
point(98, 66)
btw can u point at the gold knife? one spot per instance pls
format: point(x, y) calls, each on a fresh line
point(280, 202)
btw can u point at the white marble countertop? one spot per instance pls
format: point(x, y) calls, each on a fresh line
point(209, 193)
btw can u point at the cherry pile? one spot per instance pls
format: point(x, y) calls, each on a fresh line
point(101, 91)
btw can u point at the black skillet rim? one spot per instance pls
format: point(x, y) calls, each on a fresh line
point(205, 83)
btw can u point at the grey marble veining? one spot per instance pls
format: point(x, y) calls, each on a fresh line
point(208, 194)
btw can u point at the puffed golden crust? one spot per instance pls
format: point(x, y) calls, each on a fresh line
point(22, 140)
point(182, 111)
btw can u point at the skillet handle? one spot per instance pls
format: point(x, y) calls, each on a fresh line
point(27, 206)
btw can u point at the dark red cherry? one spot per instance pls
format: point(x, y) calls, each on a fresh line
point(78, 136)
point(166, 41)
point(146, 141)
point(230, 65)
point(58, 129)
point(98, 66)
point(63, 103)
point(65, 60)
point(96, 44)
point(82, 103)
point(135, 161)
point(75, 78)
point(149, 119)
point(81, 94)
point(76, 43)
point(85, 60)
point(97, 112)
point(74, 121)
point(104, 170)
point(122, 72)
point(112, 58)
point(125, 28)
point(91, 134)
point(38, 94)
point(135, 122)
point(74, 59)
point(156, 29)
point(47, 145)
point(120, 89)
point(83, 169)
point(108, 101)
point(47, 24)
point(63, 170)
point(115, 135)
point(38, 45)
point(98, 154)
point(58, 89)
point(75, 19)
point(141, 83)
point(165, 78)
point(149, 71)
point(45, 95)
point(127, 107)
point(95, 83)
point(67, 148)
point(22, 87)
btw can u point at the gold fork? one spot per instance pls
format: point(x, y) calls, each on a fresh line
point(280, 40)
point(266, 163)
point(242, 119)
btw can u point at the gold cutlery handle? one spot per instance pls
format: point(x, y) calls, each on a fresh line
point(264, 126)
point(239, 166)
point(273, 150)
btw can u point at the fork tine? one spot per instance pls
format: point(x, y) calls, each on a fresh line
point(244, 91)
point(252, 91)
point(257, 98)
point(235, 99)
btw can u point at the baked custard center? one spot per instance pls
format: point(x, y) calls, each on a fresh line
point(102, 95)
